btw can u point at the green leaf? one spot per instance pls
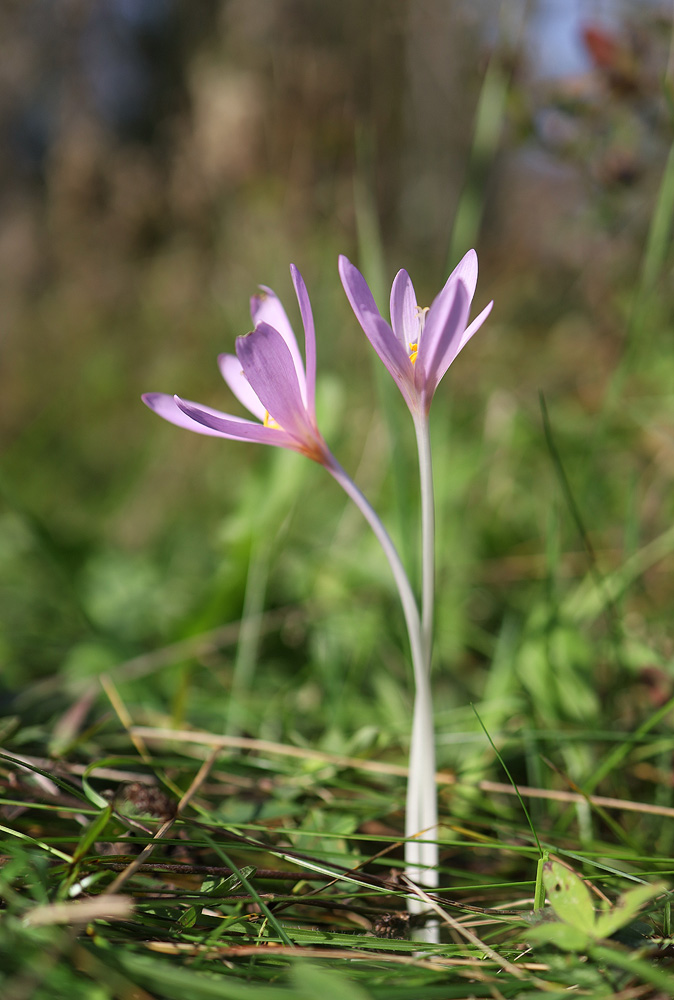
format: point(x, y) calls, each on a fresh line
point(625, 909)
point(188, 918)
point(89, 791)
point(311, 982)
point(562, 935)
point(225, 886)
point(92, 833)
point(569, 896)
point(636, 967)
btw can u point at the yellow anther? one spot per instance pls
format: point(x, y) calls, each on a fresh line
point(270, 422)
point(421, 320)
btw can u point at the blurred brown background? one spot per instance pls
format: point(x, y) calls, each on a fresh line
point(159, 159)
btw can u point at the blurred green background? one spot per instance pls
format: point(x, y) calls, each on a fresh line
point(158, 161)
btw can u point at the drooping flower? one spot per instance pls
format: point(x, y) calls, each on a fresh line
point(420, 344)
point(268, 376)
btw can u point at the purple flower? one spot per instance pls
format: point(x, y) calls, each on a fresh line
point(420, 344)
point(268, 376)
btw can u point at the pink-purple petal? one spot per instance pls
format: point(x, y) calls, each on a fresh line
point(165, 406)
point(269, 368)
point(357, 291)
point(266, 308)
point(393, 355)
point(441, 339)
point(309, 336)
point(377, 330)
point(466, 270)
point(404, 310)
point(232, 372)
point(475, 325)
point(235, 428)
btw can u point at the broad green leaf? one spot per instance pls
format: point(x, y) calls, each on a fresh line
point(625, 909)
point(311, 982)
point(562, 935)
point(568, 896)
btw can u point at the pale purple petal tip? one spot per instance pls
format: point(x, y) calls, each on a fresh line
point(466, 270)
point(377, 330)
point(357, 290)
point(404, 310)
point(265, 307)
point(165, 406)
point(309, 337)
point(475, 325)
point(225, 425)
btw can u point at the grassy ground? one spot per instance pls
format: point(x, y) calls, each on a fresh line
point(206, 693)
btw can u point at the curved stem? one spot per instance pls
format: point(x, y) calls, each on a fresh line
point(407, 599)
point(421, 814)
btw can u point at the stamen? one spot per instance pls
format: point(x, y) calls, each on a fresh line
point(421, 316)
point(270, 422)
point(421, 320)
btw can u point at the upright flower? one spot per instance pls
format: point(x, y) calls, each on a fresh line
point(266, 375)
point(420, 344)
point(417, 348)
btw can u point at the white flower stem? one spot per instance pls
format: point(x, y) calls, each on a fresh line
point(422, 798)
point(421, 852)
point(422, 428)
